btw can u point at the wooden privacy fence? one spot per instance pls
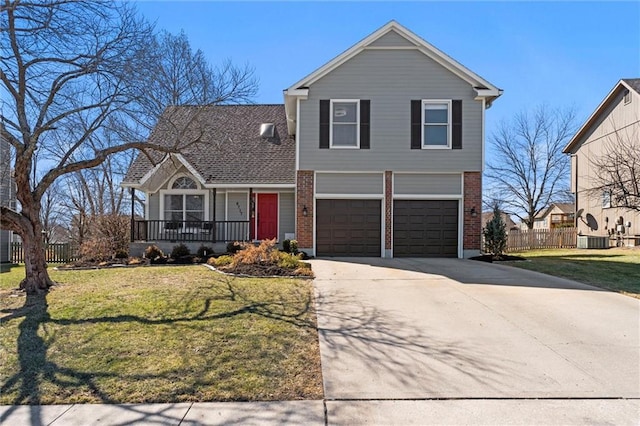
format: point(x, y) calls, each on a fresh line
point(54, 253)
point(542, 239)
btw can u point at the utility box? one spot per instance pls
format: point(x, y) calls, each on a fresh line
point(592, 242)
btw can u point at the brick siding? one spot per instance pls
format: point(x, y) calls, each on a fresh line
point(388, 206)
point(472, 199)
point(304, 198)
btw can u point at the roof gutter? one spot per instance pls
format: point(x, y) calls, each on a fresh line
point(291, 106)
point(489, 95)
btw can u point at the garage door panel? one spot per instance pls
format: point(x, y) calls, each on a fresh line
point(348, 227)
point(425, 228)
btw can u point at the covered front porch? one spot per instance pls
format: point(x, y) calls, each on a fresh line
point(176, 231)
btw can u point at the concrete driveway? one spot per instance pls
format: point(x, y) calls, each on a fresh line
point(429, 329)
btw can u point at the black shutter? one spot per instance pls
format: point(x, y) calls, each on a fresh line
point(365, 109)
point(416, 124)
point(456, 127)
point(324, 123)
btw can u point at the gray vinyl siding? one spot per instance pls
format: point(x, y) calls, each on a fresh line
point(237, 206)
point(413, 183)
point(220, 205)
point(154, 206)
point(350, 183)
point(287, 211)
point(390, 79)
point(391, 38)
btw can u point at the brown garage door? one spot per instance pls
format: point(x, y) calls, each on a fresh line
point(348, 227)
point(425, 228)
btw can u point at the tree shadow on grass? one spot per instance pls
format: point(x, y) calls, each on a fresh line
point(35, 369)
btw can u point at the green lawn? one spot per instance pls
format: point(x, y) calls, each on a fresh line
point(616, 269)
point(158, 334)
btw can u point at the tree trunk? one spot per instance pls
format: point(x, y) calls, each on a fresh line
point(36, 279)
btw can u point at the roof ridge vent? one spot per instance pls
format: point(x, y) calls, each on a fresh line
point(267, 130)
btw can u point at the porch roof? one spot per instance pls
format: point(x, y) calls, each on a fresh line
point(222, 145)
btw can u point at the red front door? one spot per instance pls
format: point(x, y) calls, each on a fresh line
point(267, 216)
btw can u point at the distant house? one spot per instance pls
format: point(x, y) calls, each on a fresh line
point(557, 215)
point(7, 198)
point(510, 224)
point(616, 119)
point(379, 152)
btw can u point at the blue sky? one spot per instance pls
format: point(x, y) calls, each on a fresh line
point(563, 54)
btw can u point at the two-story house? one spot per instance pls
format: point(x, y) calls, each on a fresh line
point(613, 129)
point(379, 152)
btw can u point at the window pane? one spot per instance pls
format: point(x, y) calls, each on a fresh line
point(195, 202)
point(345, 112)
point(345, 135)
point(436, 113)
point(177, 216)
point(435, 135)
point(173, 202)
point(195, 216)
point(184, 183)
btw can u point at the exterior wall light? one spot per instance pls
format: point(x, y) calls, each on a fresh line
point(305, 212)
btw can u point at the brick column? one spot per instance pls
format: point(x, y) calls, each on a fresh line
point(388, 206)
point(304, 198)
point(472, 199)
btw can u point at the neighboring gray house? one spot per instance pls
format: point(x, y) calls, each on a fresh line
point(7, 198)
point(615, 120)
point(379, 152)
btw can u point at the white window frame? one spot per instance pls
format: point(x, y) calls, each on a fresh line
point(199, 191)
point(357, 102)
point(606, 199)
point(426, 102)
point(627, 97)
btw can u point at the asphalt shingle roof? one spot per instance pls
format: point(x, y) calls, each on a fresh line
point(633, 82)
point(223, 144)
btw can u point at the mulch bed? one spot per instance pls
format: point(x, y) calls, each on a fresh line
point(261, 270)
point(489, 258)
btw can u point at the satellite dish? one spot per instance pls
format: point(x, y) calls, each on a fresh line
point(592, 223)
point(579, 213)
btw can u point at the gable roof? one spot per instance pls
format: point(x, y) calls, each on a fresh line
point(221, 145)
point(506, 218)
point(483, 88)
point(566, 208)
point(624, 84)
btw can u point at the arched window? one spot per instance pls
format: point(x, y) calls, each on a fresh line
point(184, 202)
point(184, 182)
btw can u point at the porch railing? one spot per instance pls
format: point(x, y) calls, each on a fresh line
point(198, 231)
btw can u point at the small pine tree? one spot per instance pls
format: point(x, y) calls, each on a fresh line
point(495, 235)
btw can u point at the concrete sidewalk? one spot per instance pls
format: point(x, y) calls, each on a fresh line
point(400, 412)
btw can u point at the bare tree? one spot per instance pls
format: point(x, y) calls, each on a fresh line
point(529, 170)
point(65, 70)
point(617, 169)
point(78, 75)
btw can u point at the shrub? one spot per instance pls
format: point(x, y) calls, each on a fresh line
point(220, 261)
point(495, 235)
point(204, 251)
point(95, 250)
point(180, 251)
point(290, 246)
point(234, 247)
point(289, 261)
point(153, 252)
point(250, 254)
